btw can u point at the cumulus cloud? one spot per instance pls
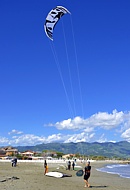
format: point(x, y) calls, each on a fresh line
point(54, 138)
point(26, 139)
point(106, 120)
point(30, 139)
point(75, 123)
point(102, 119)
point(126, 135)
point(78, 130)
point(81, 137)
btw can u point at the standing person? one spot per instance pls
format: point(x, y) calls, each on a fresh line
point(15, 162)
point(69, 165)
point(46, 167)
point(87, 171)
point(12, 162)
point(73, 164)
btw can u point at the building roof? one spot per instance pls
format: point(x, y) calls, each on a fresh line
point(27, 152)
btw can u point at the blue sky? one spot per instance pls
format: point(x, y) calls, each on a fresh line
point(89, 98)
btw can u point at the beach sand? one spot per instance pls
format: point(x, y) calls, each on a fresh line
point(31, 177)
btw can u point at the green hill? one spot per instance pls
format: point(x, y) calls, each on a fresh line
point(108, 149)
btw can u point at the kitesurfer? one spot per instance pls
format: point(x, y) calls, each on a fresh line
point(87, 171)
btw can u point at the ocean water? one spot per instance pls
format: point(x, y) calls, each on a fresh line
point(123, 170)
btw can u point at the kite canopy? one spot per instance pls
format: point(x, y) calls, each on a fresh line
point(52, 18)
point(79, 173)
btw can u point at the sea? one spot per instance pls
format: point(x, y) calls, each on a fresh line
point(123, 170)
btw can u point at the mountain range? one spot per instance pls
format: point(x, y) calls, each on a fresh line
point(107, 149)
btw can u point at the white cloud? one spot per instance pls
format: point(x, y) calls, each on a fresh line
point(126, 135)
point(125, 126)
point(79, 130)
point(54, 137)
point(15, 132)
point(4, 140)
point(106, 120)
point(81, 137)
point(30, 139)
point(102, 119)
point(76, 123)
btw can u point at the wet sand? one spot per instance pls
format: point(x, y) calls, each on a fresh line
point(30, 176)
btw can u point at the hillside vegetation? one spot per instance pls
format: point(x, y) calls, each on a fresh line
point(108, 149)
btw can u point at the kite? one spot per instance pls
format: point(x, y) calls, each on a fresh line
point(52, 18)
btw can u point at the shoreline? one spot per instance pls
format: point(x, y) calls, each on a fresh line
point(108, 168)
point(31, 177)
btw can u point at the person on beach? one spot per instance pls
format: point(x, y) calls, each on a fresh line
point(73, 164)
point(12, 162)
point(46, 167)
point(87, 171)
point(15, 162)
point(69, 165)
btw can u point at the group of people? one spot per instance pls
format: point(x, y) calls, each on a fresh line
point(87, 171)
point(69, 165)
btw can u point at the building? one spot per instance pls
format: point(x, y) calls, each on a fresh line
point(10, 151)
point(68, 156)
point(2, 154)
point(28, 153)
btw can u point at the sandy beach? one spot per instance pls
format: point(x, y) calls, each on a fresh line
point(30, 176)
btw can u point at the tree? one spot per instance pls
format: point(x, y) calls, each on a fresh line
point(59, 154)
